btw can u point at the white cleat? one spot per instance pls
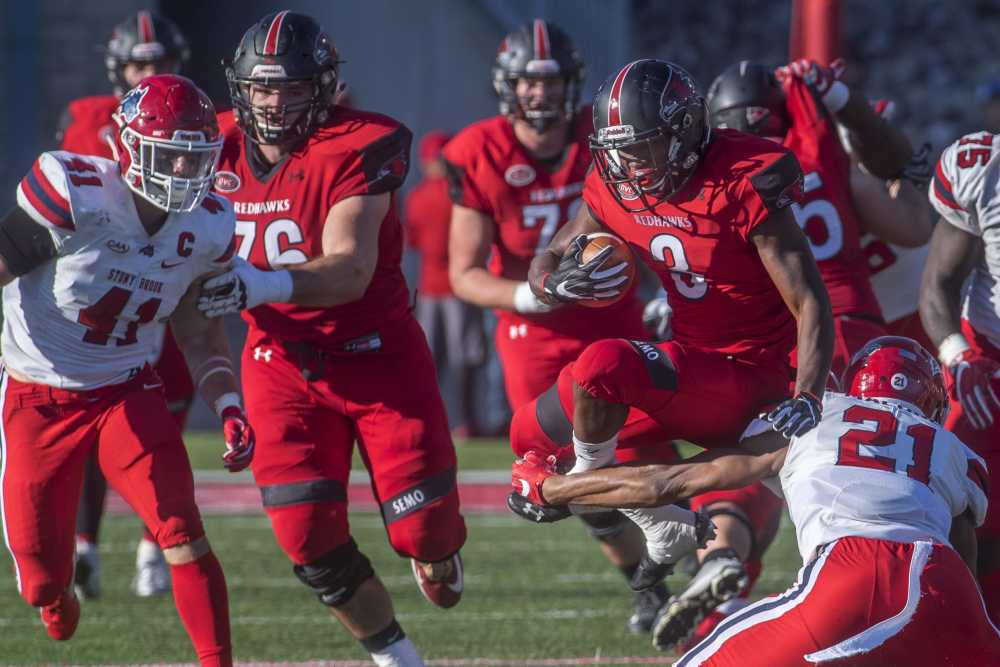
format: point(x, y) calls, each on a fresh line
point(87, 575)
point(152, 576)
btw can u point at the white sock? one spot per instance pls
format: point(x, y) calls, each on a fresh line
point(591, 456)
point(401, 653)
point(671, 531)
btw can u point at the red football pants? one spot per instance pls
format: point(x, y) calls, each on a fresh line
point(48, 434)
point(862, 603)
point(532, 356)
point(178, 386)
point(386, 400)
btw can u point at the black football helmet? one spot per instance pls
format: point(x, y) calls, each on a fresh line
point(142, 38)
point(537, 49)
point(282, 48)
point(650, 130)
point(748, 97)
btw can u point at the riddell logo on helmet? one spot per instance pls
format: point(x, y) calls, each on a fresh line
point(519, 175)
point(616, 133)
point(267, 71)
point(227, 181)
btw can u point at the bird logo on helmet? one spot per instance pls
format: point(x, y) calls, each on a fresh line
point(284, 48)
point(651, 129)
point(168, 142)
point(898, 370)
point(539, 49)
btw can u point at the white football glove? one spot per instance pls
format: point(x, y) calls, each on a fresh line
point(243, 286)
point(525, 301)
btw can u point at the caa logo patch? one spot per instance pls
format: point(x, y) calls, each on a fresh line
point(519, 175)
point(227, 181)
point(117, 246)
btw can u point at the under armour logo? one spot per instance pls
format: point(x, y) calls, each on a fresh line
point(259, 352)
point(518, 331)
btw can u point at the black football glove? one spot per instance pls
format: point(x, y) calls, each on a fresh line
point(796, 416)
point(592, 281)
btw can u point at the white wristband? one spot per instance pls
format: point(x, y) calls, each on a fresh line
point(525, 300)
point(276, 286)
point(836, 98)
point(227, 400)
point(951, 348)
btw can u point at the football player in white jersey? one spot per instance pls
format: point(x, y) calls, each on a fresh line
point(95, 259)
point(960, 310)
point(879, 494)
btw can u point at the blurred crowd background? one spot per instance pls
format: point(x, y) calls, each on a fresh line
point(427, 63)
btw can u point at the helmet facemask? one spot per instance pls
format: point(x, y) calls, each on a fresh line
point(541, 116)
point(174, 174)
point(287, 123)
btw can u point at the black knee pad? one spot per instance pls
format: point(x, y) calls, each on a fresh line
point(604, 526)
point(336, 576)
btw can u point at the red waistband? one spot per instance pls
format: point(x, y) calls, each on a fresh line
point(28, 393)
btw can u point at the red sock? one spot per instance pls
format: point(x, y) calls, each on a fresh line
point(203, 605)
point(990, 584)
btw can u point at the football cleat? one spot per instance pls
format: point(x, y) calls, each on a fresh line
point(649, 573)
point(721, 578)
point(62, 616)
point(535, 513)
point(445, 590)
point(706, 627)
point(152, 576)
point(647, 603)
point(87, 574)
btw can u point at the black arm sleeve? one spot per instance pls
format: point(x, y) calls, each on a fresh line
point(24, 244)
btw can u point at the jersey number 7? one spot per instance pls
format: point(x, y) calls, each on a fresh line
point(887, 434)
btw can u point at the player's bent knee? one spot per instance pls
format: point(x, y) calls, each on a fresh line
point(605, 526)
point(541, 425)
point(623, 371)
point(431, 533)
point(336, 576)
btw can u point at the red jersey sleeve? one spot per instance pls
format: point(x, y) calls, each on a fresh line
point(769, 188)
point(379, 167)
point(594, 193)
point(461, 158)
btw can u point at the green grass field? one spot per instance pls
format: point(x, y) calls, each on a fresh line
point(531, 592)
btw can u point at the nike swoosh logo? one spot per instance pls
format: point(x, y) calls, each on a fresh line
point(459, 584)
point(165, 265)
point(151, 386)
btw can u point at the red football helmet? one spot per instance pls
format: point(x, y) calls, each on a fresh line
point(168, 142)
point(899, 369)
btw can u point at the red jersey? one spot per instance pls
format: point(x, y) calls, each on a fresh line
point(87, 125)
point(698, 242)
point(427, 216)
point(281, 210)
point(827, 213)
point(528, 200)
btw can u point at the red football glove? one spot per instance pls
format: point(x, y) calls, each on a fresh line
point(527, 475)
point(970, 384)
point(811, 73)
point(239, 437)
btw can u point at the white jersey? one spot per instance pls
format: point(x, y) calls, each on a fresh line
point(95, 314)
point(895, 275)
point(879, 470)
point(964, 191)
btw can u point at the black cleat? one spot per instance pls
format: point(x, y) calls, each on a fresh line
point(649, 573)
point(529, 511)
point(647, 603)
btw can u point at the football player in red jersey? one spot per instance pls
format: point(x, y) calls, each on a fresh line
point(454, 329)
point(142, 45)
point(709, 213)
point(516, 178)
point(749, 97)
point(331, 333)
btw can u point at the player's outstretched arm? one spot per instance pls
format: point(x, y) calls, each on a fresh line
point(881, 147)
point(785, 253)
point(895, 211)
point(952, 255)
point(206, 350)
point(547, 262)
point(662, 484)
point(470, 241)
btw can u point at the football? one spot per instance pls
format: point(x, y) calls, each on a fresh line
point(621, 253)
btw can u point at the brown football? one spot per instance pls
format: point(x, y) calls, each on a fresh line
point(621, 253)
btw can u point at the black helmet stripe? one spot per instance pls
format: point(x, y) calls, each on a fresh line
point(542, 48)
point(614, 100)
point(146, 29)
point(271, 43)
